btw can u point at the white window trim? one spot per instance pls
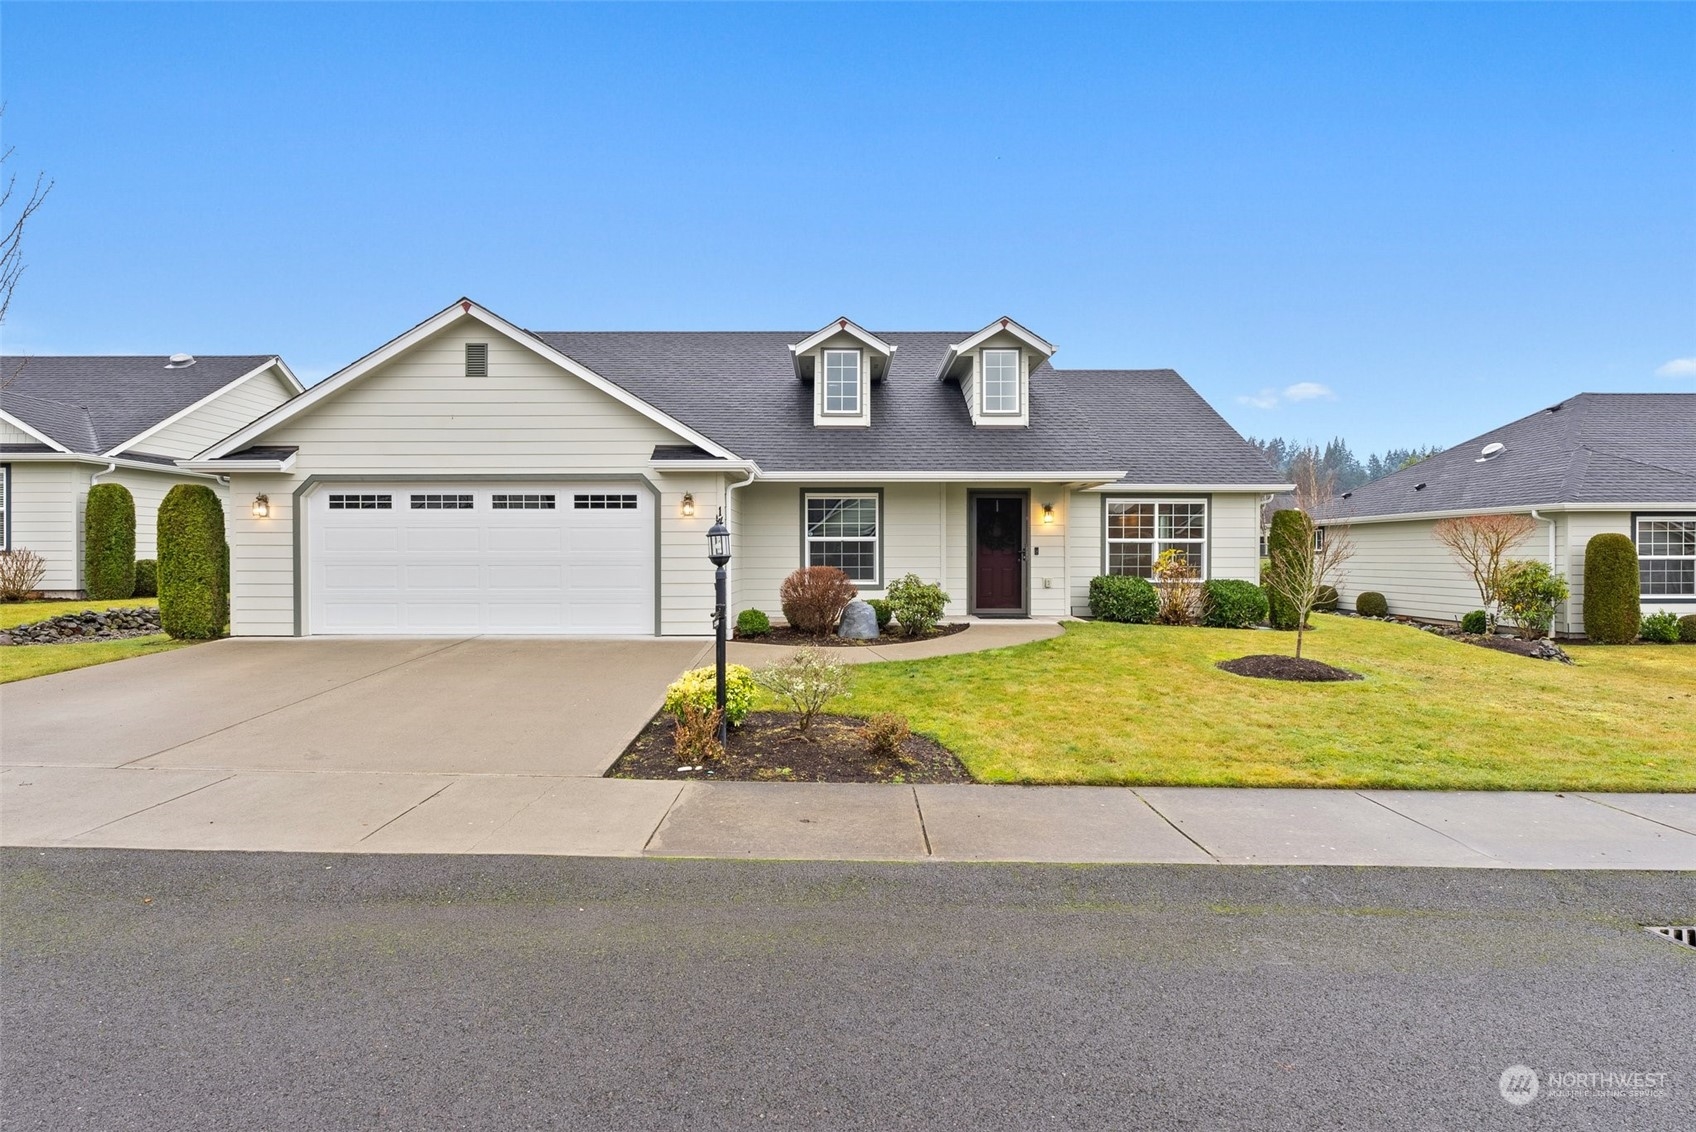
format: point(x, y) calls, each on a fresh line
point(1018, 381)
point(1206, 530)
point(859, 381)
point(875, 582)
point(1636, 520)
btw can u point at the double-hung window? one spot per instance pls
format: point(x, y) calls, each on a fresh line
point(1139, 530)
point(842, 382)
point(841, 530)
point(1666, 555)
point(1001, 381)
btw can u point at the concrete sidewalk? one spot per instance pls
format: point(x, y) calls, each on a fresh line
point(375, 812)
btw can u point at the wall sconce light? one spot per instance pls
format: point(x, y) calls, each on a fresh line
point(688, 505)
point(1048, 514)
point(261, 506)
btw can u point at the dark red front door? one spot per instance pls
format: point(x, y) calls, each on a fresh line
point(1000, 554)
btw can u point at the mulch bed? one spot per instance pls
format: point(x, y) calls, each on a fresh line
point(1267, 667)
point(767, 748)
point(784, 635)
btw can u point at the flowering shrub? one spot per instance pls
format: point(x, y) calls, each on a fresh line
point(699, 688)
point(807, 682)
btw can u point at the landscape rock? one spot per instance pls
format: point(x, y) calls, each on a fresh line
point(859, 622)
point(86, 625)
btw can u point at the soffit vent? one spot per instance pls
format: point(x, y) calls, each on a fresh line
point(476, 359)
point(1684, 934)
point(180, 361)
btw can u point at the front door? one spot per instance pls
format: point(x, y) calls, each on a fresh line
point(999, 554)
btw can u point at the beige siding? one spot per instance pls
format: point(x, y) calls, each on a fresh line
point(419, 414)
point(1583, 526)
point(1418, 575)
point(225, 414)
point(12, 434)
point(44, 518)
point(1233, 538)
point(1083, 548)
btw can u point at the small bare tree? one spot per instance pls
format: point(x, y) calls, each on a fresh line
point(14, 214)
point(1299, 579)
point(1481, 543)
point(1316, 485)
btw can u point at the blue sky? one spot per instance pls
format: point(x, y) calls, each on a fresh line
point(1401, 224)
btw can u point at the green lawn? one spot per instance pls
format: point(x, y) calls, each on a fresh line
point(14, 613)
point(20, 662)
point(1143, 705)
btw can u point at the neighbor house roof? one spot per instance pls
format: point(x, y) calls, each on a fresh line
point(93, 404)
point(1604, 448)
point(739, 388)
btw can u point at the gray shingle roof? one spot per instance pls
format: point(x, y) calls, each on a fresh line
point(91, 404)
point(739, 389)
point(1592, 448)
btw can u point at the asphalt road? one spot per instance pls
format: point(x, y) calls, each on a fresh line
point(183, 991)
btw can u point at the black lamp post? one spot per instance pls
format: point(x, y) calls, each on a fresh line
point(718, 553)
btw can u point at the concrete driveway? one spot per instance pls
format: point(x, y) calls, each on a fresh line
point(477, 706)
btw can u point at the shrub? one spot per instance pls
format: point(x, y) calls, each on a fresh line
point(1477, 623)
point(883, 735)
point(807, 682)
point(109, 542)
point(752, 623)
point(698, 688)
point(1529, 592)
point(916, 604)
point(814, 597)
point(1372, 604)
point(881, 607)
point(1325, 599)
point(1289, 540)
point(1612, 598)
point(1227, 603)
point(21, 571)
point(193, 563)
point(1119, 597)
point(694, 736)
point(1687, 628)
point(1661, 628)
point(146, 578)
point(1178, 587)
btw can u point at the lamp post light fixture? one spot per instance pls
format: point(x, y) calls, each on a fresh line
point(718, 553)
point(261, 506)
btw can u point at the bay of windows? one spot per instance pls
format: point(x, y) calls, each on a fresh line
point(1138, 531)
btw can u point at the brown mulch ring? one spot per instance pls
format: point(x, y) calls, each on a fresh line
point(768, 748)
point(1268, 667)
point(784, 635)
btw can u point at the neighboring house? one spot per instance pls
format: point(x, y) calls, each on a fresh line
point(67, 422)
point(474, 477)
point(1622, 462)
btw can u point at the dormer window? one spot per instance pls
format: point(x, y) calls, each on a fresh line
point(1001, 381)
point(842, 382)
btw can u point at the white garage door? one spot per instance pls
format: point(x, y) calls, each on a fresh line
point(443, 559)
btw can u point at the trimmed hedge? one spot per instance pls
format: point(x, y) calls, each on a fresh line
point(109, 542)
point(1228, 603)
point(1291, 535)
point(698, 688)
point(1120, 597)
point(1661, 628)
point(1327, 599)
point(752, 623)
point(194, 564)
point(1477, 623)
point(1372, 604)
point(1613, 612)
point(1687, 628)
point(146, 578)
point(885, 612)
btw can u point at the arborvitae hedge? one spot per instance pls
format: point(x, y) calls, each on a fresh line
point(146, 578)
point(1612, 591)
point(109, 542)
point(193, 563)
point(1291, 534)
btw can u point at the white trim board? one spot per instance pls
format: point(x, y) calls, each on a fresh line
point(844, 326)
point(37, 433)
point(102, 461)
point(464, 308)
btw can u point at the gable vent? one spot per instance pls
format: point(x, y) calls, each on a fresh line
point(180, 361)
point(476, 359)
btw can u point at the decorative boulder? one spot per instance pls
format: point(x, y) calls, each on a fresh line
point(859, 622)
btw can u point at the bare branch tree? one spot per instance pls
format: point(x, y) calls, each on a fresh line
point(15, 211)
point(1316, 484)
point(1300, 578)
point(1481, 544)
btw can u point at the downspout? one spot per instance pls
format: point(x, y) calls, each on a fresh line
point(1566, 606)
point(729, 489)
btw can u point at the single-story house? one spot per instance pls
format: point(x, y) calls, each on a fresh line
point(471, 476)
point(1621, 462)
point(69, 422)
